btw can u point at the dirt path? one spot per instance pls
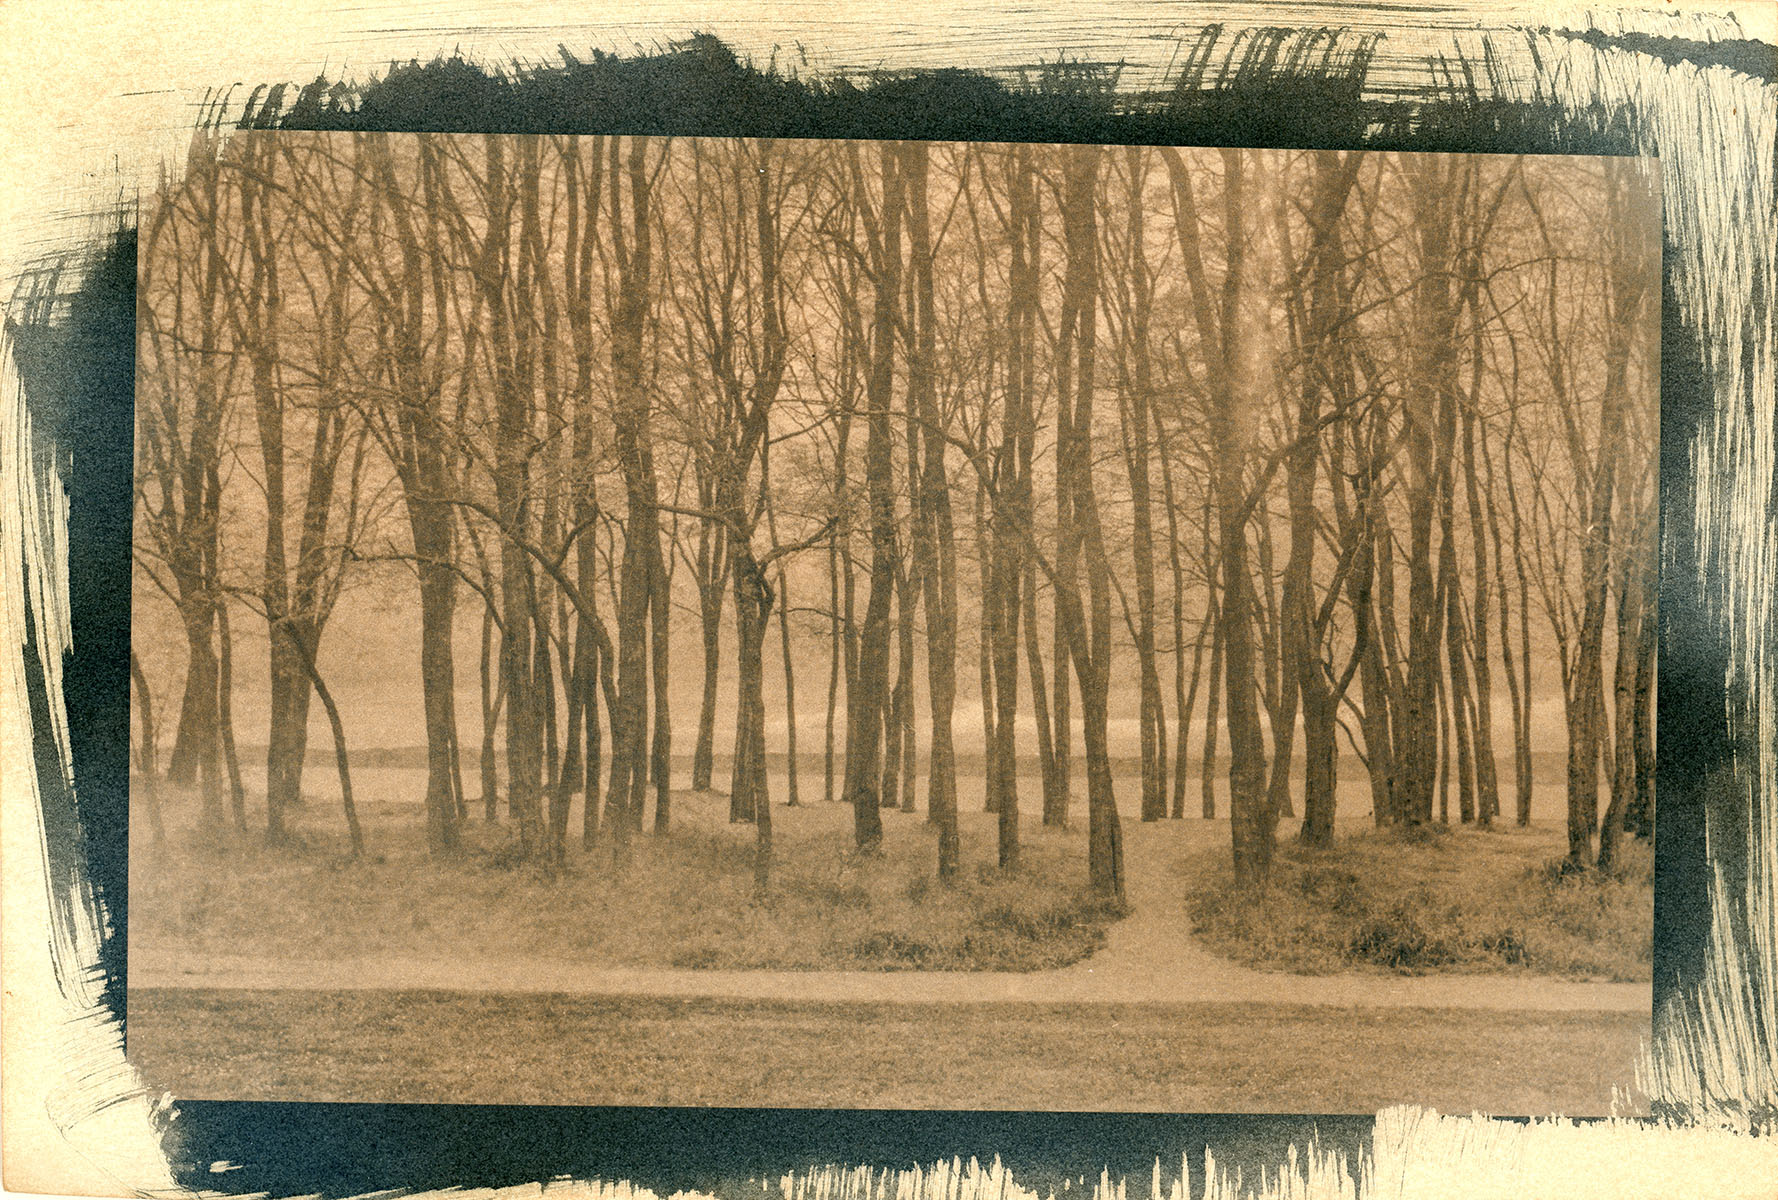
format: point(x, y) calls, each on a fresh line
point(526, 1048)
point(1149, 957)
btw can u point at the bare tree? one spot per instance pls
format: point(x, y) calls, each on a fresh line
point(187, 373)
point(867, 694)
point(1089, 632)
point(1316, 312)
point(409, 319)
point(628, 299)
point(935, 547)
point(1130, 300)
point(1218, 319)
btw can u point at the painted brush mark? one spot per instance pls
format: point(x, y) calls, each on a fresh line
point(1744, 56)
point(1411, 1153)
point(1263, 87)
point(1715, 132)
point(1717, 846)
point(725, 1152)
point(75, 359)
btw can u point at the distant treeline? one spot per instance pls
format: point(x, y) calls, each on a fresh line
point(1544, 763)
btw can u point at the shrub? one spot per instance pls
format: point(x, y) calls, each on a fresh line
point(895, 948)
point(1398, 939)
point(1508, 946)
point(505, 855)
point(1432, 899)
point(1333, 887)
point(842, 894)
point(1026, 923)
point(918, 888)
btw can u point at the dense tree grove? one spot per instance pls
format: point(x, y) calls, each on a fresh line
point(1308, 454)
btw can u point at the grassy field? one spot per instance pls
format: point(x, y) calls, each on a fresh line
point(685, 900)
point(492, 1048)
point(1441, 900)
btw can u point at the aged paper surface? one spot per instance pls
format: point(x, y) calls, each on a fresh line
point(81, 126)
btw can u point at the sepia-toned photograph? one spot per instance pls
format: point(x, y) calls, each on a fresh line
point(627, 620)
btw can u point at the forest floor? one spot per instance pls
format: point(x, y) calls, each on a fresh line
point(256, 975)
point(1476, 912)
point(685, 900)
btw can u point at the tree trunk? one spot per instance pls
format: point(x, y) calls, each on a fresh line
point(660, 761)
point(1212, 714)
point(543, 676)
point(1065, 585)
point(753, 606)
point(1375, 692)
point(792, 799)
point(1628, 285)
point(342, 760)
point(1061, 696)
point(1641, 817)
point(575, 695)
point(1623, 782)
point(1519, 683)
point(1004, 566)
point(188, 734)
point(1487, 774)
point(510, 356)
point(1088, 634)
point(935, 549)
point(1220, 322)
point(426, 484)
point(429, 522)
point(712, 569)
point(1152, 717)
point(634, 444)
point(1003, 604)
point(1509, 666)
point(896, 714)
point(1459, 701)
point(1442, 784)
point(492, 701)
point(590, 677)
point(146, 766)
point(904, 692)
point(748, 793)
point(198, 716)
point(1433, 355)
point(867, 702)
point(595, 747)
point(1320, 320)
point(225, 719)
point(833, 667)
point(987, 639)
point(1419, 732)
point(783, 599)
point(255, 315)
point(1185, 697)
point(287, 740)
point(1055, 800)
point(1586, 694)
point(1187, 706)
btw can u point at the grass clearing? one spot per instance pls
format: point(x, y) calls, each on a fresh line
point(1446, 900)
point(685, 900)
